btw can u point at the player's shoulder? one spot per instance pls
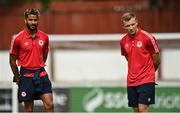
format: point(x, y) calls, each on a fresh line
point(124, 38)
point(18, 35)
point(42, 33)
point(147, 34)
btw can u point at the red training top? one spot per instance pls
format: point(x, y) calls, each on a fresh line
point(30, 51)
point(138, 52)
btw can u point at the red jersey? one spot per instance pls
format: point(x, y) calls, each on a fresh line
point(138, 52)
point(30, 51)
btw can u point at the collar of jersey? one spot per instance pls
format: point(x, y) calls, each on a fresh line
point(137, 34)
point(28, 35)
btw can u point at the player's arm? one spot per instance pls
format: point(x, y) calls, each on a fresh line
point(14, 68)
point(156, 60)
point(46, 50)
point(123, 52)
point(45, 56)
point(154, 51)
point(126, 58)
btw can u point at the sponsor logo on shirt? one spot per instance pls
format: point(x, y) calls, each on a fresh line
point(26, 43)
point(126, 46)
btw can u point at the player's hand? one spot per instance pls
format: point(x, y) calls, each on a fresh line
point(16, 79)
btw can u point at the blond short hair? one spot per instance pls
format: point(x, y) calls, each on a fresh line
point(127, 16)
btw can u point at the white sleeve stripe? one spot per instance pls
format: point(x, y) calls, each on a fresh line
point(12, 42)
point(13, 39)
point(152, 40)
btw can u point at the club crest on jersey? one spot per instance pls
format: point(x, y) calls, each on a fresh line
point(40, 42)
point(23, 94)
point(139, 44)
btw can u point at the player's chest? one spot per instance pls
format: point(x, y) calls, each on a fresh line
point(134, 45)
point(29, 44)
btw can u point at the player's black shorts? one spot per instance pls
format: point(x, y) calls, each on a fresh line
point(142, 94)
point(27, 89)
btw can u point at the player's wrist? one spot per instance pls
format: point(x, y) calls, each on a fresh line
point(16, 78)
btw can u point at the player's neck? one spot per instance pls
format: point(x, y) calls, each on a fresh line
point(32, 33)
point(134, 35)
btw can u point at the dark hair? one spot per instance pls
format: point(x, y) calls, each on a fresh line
point(127, 16)
point(33, 11)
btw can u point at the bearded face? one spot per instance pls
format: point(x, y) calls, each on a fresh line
point(32, 22)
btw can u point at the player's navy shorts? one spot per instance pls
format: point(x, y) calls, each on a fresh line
point(142, 94)
point(27, 91)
